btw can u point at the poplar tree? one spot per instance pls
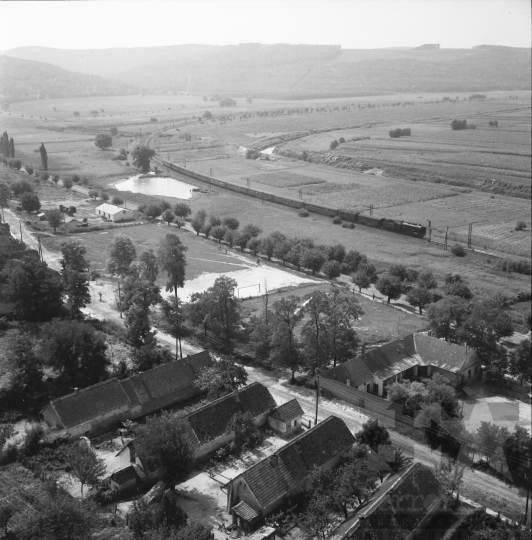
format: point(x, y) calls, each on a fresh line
point(44, 157)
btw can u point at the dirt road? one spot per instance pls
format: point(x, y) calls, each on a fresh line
point(477, 486)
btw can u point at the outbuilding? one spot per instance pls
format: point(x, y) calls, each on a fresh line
point(113, 213)
point(285, 420)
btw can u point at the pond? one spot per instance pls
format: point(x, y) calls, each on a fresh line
point(157, 185)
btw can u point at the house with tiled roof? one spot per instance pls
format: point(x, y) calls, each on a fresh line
point(264, 487)
point(285, 420)
point(398, 508)
point(414, 356)
point(209, 427)
point(103, 405)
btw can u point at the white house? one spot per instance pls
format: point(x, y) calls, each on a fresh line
point(113, 213)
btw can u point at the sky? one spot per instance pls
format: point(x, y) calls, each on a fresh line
point(362, 24)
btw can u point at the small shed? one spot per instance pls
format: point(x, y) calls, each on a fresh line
point(245, 517)
point(114, 213)
point(41, 216)
point(125, 479)
point(285, 420)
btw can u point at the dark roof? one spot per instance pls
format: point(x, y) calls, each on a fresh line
point(399, 355)
point(88, 403)
point(441, 353)
point(212, 420)
point(245, 511)
point(400, 504)
point(274, 476)
point(125, 475)
point(111, 395)
point(288, 411)
point(163, 380)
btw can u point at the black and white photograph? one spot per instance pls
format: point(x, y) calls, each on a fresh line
point(265, 270)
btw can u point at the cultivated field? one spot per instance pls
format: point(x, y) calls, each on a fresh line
point(406, 194)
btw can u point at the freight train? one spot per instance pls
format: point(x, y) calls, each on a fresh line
point(393, 225)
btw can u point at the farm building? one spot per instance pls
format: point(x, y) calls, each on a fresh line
point(209, 426)
point(285, 420)
point(126, 479)
point(414, 356)
point(264, 487)
point(398, 509)
point(113, 213)
point(103, 405)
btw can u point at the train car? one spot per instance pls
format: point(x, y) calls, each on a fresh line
point(294, 203)
point(352, 217)
point(320, 209)
point(370, 221)
point(413, 229)
point(391, 225)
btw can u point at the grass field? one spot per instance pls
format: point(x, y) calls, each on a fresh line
point(215, 145)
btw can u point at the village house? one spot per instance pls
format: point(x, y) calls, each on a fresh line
point(414, 356)
point(264, 487)
point(209, 426)
point(103, 405)
point(114, 213)
point(399, 507)
point(285, 420)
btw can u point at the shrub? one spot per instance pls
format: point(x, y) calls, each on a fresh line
point(337, 220)
point(521, 267)
point(458, 250)
point(153, 119)
point(118, 157)
point(334, 144)
point(15, 164)
point(114, 131)
point(76, 179)
point(84, 181)
point(458, 124)
point(348, 225)
point(76, 114)
point(395, 133)
point(30, 202)
point(20, 187)
point(29, 169)
point(44, 176)
point(521, 226)
point(117, 201)
point(341, 140)
point(303, 213)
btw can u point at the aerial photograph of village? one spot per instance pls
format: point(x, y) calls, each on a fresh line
point(265, 270)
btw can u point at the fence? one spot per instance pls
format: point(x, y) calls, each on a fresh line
point(387, 412)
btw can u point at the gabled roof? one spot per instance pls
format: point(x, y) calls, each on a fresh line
point(110, 208)
point(273, 477)
point(212, 420)
point(399, 355)
point(442, 354)
point(88, 403)
point(288, 411)
point(399, 504)
point(111, 395)
point(245, 511)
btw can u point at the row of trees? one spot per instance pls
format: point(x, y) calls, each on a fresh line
point(398, 132)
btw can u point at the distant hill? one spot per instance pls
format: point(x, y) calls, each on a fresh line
point(299, 71)
point(25, 79)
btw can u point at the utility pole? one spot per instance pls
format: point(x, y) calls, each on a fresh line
point(446, 234)
point(317, 397)
point(430, 230)
point(469, 235)
point(119, 300)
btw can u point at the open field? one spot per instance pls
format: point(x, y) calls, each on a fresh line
point(215, 145)
point(378, 324)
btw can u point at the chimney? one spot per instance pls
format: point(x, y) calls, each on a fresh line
point(273, 460)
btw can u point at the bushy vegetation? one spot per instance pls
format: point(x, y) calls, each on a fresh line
point(457, 125)
point(396, 133)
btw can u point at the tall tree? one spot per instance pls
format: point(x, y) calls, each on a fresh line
point(12, 147)
point(342, 311)
point(44, 157)
point(54, 217)
point(74, 256)
point(5, 194)
point(103, 141)
point(199, 221)
point(149, 265)
point(173, 314)
point(166, 447)
point(446, 316)
point(373, 435)
point(76, 288)
point(85, 465)
point(121, 253)
point(76, 351)
point(285, 346)
point(141, 156)
point(315, 332)
point(520, 364)
point(419, 297)
point(224, 377)
point(390, 286)
point(172, 260)
point(36, 289)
